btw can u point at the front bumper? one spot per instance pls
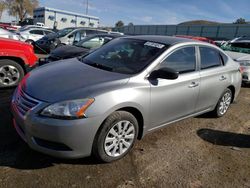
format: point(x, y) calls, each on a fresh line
point(55, 137)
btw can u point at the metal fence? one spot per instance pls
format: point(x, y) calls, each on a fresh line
point(218, 32)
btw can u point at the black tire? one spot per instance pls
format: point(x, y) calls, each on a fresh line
point(98, 145)
point(217, 112)
point(8, 62)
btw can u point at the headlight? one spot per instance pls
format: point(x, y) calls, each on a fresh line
point(74, 109)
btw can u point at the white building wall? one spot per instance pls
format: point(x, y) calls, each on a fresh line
point(64, 18)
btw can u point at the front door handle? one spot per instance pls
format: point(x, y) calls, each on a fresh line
point(193, 84)
point(223, 78)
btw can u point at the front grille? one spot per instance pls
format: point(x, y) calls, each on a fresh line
point(24, 102)
point(52, 145)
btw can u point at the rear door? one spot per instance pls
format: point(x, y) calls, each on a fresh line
point(214, 77)
point(174, 99)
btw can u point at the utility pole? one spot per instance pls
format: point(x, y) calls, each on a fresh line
point(87, 7)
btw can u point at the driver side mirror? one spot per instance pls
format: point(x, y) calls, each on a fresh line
point(70, 36)
point(164, 73)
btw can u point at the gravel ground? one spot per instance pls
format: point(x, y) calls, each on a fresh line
point(196, 152)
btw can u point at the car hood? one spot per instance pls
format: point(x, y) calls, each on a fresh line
point(68, 51)
point(69, 79)
point(237, 56)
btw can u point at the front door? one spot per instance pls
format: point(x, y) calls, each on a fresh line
point(174, 99)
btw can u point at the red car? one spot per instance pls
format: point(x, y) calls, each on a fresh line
point(16, 59)
point(8, 27)
point(204, 39)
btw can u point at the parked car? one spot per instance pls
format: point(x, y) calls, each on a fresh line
point(67, 36)
point(239, 44)
point(16, 59)
point(90, 43)
point(10, 35)
point(38, 25)
point(8, 27)
point(204, 39)
point(101, 103)
point(244, 61)
point(33, 34)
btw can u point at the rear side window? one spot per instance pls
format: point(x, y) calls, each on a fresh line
point(210, 58)
point(182, 60)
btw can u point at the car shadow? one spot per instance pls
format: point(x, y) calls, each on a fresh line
point(208, 115)
point(14, 152)
point(224, 138)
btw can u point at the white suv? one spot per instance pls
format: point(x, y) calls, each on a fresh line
point(33, 34)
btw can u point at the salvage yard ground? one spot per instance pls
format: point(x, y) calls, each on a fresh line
point(196, 152)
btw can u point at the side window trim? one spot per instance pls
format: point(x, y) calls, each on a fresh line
point(179, 48)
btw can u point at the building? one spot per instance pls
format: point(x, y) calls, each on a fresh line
point(62, 19)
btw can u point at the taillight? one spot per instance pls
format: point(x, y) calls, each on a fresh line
point(241, 69)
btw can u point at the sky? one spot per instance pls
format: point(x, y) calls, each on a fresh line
point(156, 11)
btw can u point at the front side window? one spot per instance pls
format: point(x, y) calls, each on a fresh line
point(36, 32)
point(64, 32)
point(209, 58)
point(126, 56)
point(182, 60)
point(47, 32)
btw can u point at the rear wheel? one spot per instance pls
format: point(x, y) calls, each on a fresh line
point(116, 137)
point(11, 73)
point(224, 103)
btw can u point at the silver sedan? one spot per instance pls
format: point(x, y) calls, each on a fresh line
point(101, 103)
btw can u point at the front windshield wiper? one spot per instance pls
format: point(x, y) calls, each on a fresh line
point(100, 66)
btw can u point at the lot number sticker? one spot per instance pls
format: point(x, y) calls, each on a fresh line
point(153, 44)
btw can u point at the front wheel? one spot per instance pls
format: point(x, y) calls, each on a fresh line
point(224, 103)
point(116, 136)
point(11, 73)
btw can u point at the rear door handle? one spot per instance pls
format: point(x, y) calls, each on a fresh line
point(193, 84)
point(223, 78)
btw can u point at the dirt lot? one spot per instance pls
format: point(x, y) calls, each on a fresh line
point(197, 152)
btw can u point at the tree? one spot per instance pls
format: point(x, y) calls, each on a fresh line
point(21, 8)
point(119, 24)
point(130, 24)
point(240, 21)
point(2, 8)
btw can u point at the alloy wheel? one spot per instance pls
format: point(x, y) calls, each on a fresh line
point(119, 138)
point(225, 103)
point(9, 75)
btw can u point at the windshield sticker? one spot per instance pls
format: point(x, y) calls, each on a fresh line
point(153, 44)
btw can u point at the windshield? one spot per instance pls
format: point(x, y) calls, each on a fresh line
point(64, 32)
point(126, 56)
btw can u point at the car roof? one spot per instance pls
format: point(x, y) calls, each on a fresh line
point(105, 35)
point(167, 40)
point(88, 28)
